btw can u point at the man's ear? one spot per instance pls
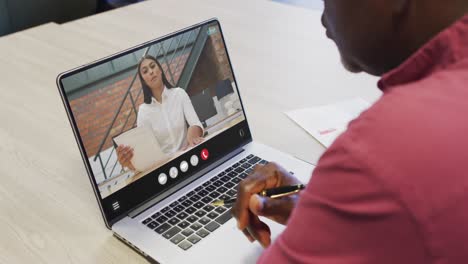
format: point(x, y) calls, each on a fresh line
point(400, 12)
point(400, 8)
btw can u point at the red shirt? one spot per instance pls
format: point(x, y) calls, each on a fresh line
point(394, 187)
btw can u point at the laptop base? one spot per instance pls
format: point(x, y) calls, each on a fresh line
point(226, 243)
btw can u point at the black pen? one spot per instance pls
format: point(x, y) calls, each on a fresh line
point(272, 193)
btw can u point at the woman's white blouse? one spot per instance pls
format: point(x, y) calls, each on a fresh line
point(169, 119)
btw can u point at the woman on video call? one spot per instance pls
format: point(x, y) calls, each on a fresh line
point(166, 110)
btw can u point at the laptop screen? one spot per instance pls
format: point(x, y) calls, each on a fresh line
point(153, 116)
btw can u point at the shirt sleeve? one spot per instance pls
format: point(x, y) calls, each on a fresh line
point(142, 119)
point(346, 216)
point(189, 112)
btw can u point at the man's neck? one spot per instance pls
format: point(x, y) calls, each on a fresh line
point(432, 18)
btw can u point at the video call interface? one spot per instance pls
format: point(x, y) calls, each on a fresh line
point(142, 110)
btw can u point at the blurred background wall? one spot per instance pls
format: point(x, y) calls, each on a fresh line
point(16, 15)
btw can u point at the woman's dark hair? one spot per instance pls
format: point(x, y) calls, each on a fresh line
point(147, 94)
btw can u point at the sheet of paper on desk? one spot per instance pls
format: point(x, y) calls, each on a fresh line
point(326, 123)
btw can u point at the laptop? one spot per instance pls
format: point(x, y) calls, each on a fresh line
point(164, 214)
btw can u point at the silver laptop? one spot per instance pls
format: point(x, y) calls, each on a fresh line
point(170, 85)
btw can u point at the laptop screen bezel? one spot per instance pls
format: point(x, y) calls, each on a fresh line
point(109, 216)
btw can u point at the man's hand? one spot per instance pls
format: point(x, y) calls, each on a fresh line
point(249, 205)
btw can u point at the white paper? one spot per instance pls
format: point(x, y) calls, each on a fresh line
point(146, 148)
point(326, 123)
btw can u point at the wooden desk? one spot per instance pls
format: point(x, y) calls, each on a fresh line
point(49, 214)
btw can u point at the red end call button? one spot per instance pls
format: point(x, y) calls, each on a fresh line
point(204, 154)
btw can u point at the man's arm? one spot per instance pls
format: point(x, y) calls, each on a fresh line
point(347, 216)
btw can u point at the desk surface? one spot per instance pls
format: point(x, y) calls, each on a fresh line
point(282, 61)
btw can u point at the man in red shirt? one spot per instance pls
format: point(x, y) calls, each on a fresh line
point(394, 187)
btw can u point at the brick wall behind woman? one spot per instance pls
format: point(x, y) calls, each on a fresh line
point(224, 71)
point(213, 66)
point(95, 111)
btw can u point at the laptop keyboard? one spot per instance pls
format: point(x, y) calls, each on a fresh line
point(191, 218)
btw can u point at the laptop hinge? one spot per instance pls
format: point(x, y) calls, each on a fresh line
point(143, 207)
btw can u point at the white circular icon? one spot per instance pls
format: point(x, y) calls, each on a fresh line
point(162, 178)
point(242, 133)
point(173, 172)
point(184, 166)
point(194, 160)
